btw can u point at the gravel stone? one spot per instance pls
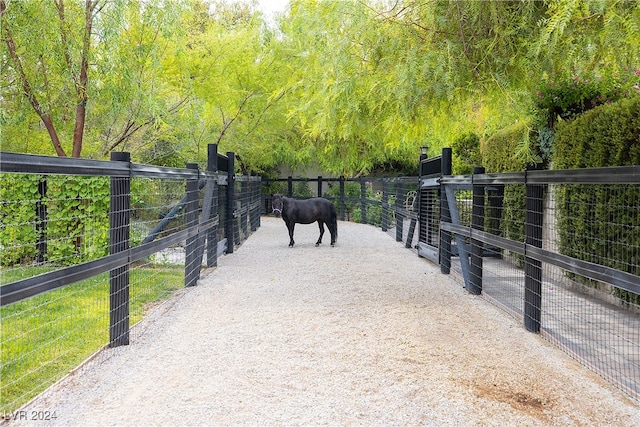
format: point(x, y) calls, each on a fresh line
point(363, 333)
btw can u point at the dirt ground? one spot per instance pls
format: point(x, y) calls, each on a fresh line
point(364, 333)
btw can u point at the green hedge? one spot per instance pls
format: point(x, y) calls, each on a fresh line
point(600, 223)
point(499, 155)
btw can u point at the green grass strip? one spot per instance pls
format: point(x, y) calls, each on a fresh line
point(44, 337)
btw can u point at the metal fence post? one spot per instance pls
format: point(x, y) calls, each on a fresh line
point(244, 205)
point(399, 205)
point(320, 186)
point(385, 204)
point(363, 201)
point(342, 198)
point(445, 216)
point(191, 269)
point(477, 247)
point(231, 202)
point(533, 268)
point(119, 218)
point(290, 186)
point(254, 204)
point(212, 235)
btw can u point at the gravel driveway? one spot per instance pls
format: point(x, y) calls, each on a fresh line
point(364, 333)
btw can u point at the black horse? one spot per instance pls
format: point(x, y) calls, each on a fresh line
point(306, 212)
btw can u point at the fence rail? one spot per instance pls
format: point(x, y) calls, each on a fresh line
point(88, 247)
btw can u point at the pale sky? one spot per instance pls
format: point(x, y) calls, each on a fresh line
point(269, 7)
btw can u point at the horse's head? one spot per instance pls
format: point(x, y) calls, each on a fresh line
point(277, 204)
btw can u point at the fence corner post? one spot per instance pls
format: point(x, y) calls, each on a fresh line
point(119, 232)
point(532, 267)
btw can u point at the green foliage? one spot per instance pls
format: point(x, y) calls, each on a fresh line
point(466, 153)
point(500, 154)
point(510, 150)
point(18, 235)
point(77, 222)
point(77, 219)
point(567, 99)
point(301, 189)
point(605, 136)
point(348, 85)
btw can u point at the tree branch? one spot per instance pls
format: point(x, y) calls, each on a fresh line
point(226, 124)
point(26, 86)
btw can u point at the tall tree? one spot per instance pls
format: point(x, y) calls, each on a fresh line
point(57, 62)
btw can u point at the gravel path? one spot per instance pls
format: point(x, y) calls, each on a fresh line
point(365, 333)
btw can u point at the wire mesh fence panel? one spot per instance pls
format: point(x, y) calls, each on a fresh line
point(48, 223)
point(595, 321)
point(157, 211)
point(503, 270)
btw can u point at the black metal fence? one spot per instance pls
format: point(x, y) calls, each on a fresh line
point(557, 249)
point(390, 203)
point(87, 248)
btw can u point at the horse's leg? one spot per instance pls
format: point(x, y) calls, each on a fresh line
point(333, 229)
point(321, 226)
point(291, 225)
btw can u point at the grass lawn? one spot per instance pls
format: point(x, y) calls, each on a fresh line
point(44, 337)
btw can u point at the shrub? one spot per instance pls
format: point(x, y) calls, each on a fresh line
point(609, 233)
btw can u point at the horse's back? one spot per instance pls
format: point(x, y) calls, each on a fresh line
point(311, 210)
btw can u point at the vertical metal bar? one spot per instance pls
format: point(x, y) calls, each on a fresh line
point(254, 203)
point(41, 225)
point(244, 206)
point(363, 201)
point(191, 266)
point(533, 268)
point(477, 223)
point(342, 198)
point(399, 215)
point(385, 204)
point(212, 234)
point(119, 218)
point(231, 202)
point(290, 186)
point(445, 216)
point(319, 186)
